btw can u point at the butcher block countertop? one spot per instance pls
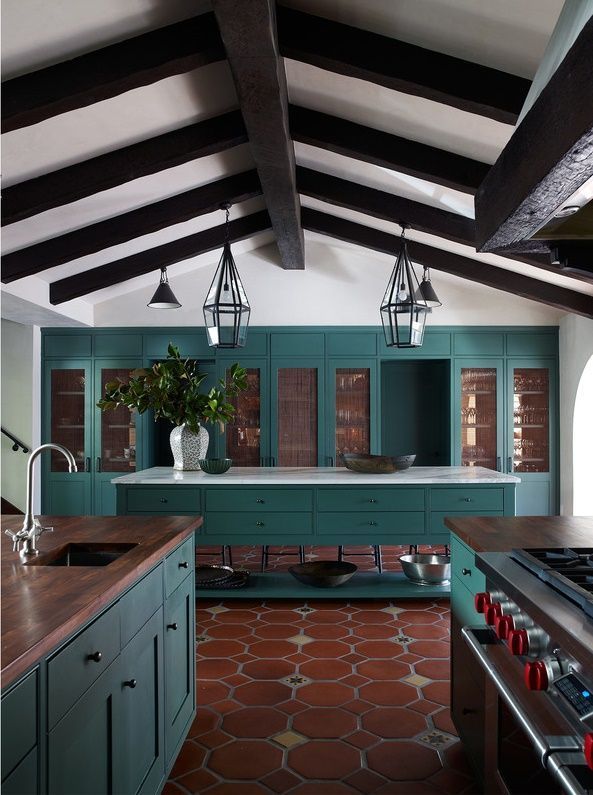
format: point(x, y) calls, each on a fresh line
point(503, 533)
point(43, 605)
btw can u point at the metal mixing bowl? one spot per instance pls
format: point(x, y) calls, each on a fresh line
point(323, 573)
point(427, 569)
point(377, 464)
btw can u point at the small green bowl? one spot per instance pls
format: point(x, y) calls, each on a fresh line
point(215, 466)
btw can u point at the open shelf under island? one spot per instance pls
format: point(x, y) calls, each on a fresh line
point(320, 506)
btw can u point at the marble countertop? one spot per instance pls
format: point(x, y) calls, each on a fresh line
point(315, 476)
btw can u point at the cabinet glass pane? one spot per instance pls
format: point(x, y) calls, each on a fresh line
point(531, 417)
point(478, 417)
point(118, 429)
point(297, 417)
point(353, 411)
point(243, 433)
point(67, 416)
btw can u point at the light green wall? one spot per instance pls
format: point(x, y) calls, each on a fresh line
point(18, 379)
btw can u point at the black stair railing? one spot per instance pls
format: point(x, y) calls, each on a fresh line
point(16, 443)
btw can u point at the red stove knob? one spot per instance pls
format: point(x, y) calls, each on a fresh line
point(503, 626)
point(536, 675)
point(481, 601)
point(492, 612)
point(518, 641)
point(588, 750)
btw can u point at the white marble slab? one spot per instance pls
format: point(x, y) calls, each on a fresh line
point(316, 476)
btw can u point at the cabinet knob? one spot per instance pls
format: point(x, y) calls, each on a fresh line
point(467, 499)
point(164, 499)
point(259, 524)
point(95, 657)
point(172, 626)
point(260, 501)
point(373, 524)
point(466, 572)
point(184, 564)
point(131, 683)
point(372, 499)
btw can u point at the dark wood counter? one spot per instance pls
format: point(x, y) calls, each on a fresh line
point(43, 605)
point(502, 533)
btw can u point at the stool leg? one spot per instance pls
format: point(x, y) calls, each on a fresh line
point(413, 549)
point(447, 550)
point(301, 554)
point(230, 555)
point(264, 558)
point(340, 553)
point(378, 559)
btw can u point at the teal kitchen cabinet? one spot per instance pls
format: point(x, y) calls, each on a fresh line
point(19, 736)
point(351, 408)
point(247, 438)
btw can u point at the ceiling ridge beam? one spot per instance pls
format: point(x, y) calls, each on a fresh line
point(152, 259)
point(135, 223)
point(449, 262)
point(249, 34)
point(109, 71)
point(384, 149)
point(423, 217)
point(401, 66)
point(152, 155)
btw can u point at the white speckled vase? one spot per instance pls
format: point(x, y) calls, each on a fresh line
point(188, 447)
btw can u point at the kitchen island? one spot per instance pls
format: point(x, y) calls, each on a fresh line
point(321, 506)
point(97, 654)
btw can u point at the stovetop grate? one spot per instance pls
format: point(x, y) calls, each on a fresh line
point(568, 570)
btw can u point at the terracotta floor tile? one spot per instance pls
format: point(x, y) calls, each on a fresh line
point(437, 691)
point(324, 722)
point(450, 781)
point(268, 669)
point(171, 788)
point(197, 781)
point(391, 722)
point(214, 739)
point(354, 658)
point(235, 679)
point(236, 616)
point(245, 759)
point(292, 707)
point(426, 632)
point(216, 668)
point(365, 781)
point(323, 788)
point(377, 631)
point(226, 706)
point(383, 649)
point(403, 761)
point(327, 631)
point(326, 649)
point(328, 694)
point(208, 692)
point(271, 649)
point(221, 648)
point(408, 788)
point(204, 721)
point(327, 617)
point(362, 739)
point(283, 617)
point(423, 706)
point(262, 693)
point(256, 722)
point(406, 657)
point(374, 617)
point(434, 669)
point(275, 631)
point(238, 788)
point(430, 648)
point(443, 721)
point(243, 658)
point(388, 693)
point(324, 760)
point(357, 706)
point(354, 680)
point(190, 758)
point(281, 781)
point(383, 669)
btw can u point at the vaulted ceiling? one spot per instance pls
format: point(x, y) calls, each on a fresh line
point(126, 125)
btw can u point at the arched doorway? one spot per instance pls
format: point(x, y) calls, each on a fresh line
point(583, 444)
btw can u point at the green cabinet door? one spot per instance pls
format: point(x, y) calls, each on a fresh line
point(478, 421)
point(67, 420)
point(140, 725)
point(247, 438)
point(82, 747)
point(180, 674)
point(24, 779)
point(351, 408)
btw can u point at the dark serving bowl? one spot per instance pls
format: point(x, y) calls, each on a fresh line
point(323, 573)
point(377, 464)
point(215, 466)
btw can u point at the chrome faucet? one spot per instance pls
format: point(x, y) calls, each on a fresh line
point(32, 529)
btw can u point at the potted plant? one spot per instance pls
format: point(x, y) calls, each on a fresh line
point(172, 390)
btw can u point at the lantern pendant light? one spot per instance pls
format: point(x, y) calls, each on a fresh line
point(403, 309)
point(226, 309)
point(163, 298)
point(427, 291)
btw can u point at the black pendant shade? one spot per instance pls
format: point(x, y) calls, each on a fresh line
point(164, 297)
point(226, 309)
point(427, 291)
point(403, 309)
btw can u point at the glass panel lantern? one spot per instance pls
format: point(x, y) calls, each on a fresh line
point(226, 309)
point(403, 309)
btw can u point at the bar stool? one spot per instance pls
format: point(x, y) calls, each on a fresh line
point(224, 551)
point(376, 553)
point(265, 554)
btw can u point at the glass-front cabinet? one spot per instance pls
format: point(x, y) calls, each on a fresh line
point(350, 409)
point(479, 420)
point(245, 439)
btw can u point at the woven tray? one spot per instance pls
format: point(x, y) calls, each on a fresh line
point(237, 580)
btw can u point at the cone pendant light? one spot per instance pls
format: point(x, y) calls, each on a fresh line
point(164, 297)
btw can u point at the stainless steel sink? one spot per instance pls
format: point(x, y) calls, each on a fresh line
point(101, 554)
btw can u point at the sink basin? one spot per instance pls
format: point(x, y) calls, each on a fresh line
point(101, 554)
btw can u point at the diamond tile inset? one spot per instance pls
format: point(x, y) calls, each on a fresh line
point(437, 739)
point(289, 739)
point(300, 640)
point(416, 680)
point(296, 680)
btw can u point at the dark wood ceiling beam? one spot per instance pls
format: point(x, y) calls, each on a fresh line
point(438, 259)
point(386, 150)
point(110, 71)
point(122, 165)
point(153, 259)
point(401, 66)
point(249, 34)
point(113, 231)
point(549, 156)
point(389, 207)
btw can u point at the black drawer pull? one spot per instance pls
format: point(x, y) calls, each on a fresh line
point(373, 524)
point(131, 683)
point(467, 499)
point(95, 657)
point(372, 499)
point(466, 572)
point(260, 501)
point(259, 524)
point(164, 499)
point(172, 626)
point(184, 564)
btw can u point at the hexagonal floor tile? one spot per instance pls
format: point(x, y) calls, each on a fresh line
point(402, 761)
point(245, 759)
point(324, 722)
point(324, 760)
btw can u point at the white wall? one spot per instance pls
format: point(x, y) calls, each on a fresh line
point(341, 285)
point(576, 348)
point(20, 403)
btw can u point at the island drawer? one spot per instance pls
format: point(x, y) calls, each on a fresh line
point(462, 605)
point(257, 499)
point(178, 565)
point(169, 500)
point(469, 500)
point(370, 499)
point(463, 566)
point(400, 522)
point(19, 722)
point(74, 669)
point(437, 518)
point(278, 524)
point(140, 603)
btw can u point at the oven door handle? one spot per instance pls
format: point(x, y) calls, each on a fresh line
point(545, 745)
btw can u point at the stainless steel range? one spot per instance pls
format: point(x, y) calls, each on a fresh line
point(537, 657)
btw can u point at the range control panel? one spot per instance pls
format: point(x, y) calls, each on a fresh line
point(578, 695)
